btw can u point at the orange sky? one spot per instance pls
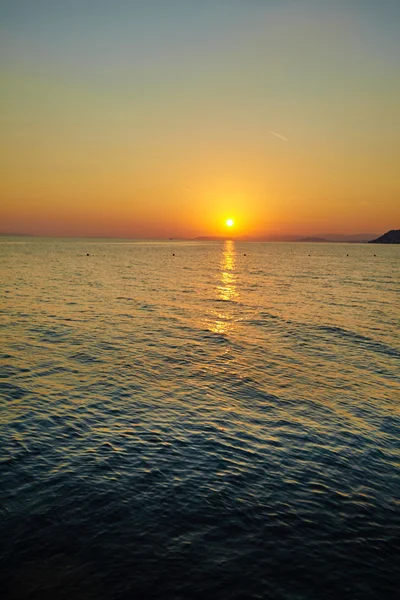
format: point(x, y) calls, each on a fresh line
point(127, 121)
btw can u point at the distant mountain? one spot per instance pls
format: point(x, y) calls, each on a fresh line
point(329, 237)
point(325, 237)
point(390, 237)
point(312, 239)
point(352, 237)
point(16, 234)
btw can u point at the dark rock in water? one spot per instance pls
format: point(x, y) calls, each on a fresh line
point(390, 237)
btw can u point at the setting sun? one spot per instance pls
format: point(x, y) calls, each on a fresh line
point(229, 222)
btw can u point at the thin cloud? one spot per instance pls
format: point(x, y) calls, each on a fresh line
point(278, 135)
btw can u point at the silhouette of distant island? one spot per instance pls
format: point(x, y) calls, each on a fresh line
point(327, 238)
point(390, 237)
point(312, 239)
point(17, 235)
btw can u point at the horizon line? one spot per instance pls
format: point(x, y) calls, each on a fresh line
point(239, 238)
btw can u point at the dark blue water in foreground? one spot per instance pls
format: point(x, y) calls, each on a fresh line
point(204, 426)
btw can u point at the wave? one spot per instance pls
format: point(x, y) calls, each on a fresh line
point(365, 341)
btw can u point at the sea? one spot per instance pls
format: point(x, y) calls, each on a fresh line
point(199, 420)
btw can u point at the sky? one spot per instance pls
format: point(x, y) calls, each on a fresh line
point(164, 118)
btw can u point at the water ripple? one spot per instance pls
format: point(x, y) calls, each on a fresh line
point(199, 429)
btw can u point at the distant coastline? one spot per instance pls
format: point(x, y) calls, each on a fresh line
point(390, 237)
point(327, 239)
point(318, 238)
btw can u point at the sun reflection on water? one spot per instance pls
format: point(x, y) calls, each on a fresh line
point(226, 289)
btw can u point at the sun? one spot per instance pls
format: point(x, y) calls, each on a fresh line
point(229, 222)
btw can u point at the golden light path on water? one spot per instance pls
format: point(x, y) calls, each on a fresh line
point(226, 289)
point(199, 420)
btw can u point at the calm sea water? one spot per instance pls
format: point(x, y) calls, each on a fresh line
point(219, 424)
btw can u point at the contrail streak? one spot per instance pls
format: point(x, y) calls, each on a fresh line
point(278, 135)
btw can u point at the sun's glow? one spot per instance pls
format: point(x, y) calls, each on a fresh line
point(229, 222)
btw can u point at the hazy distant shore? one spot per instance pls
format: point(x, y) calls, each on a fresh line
point(329, 238)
